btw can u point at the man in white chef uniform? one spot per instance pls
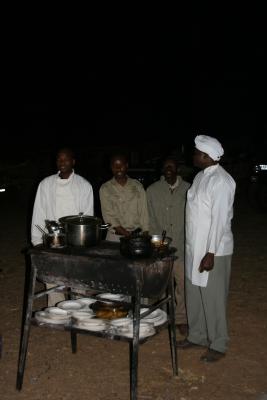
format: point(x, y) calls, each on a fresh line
point(209, 246)
point(58, 195)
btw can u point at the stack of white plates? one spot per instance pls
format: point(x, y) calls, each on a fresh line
point(145, 329)
point(94, 324)
point(53, 315)
point(157, 317)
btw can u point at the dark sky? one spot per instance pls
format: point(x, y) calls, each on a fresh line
point(207, 76)
point(229, 77)
point(122, 86)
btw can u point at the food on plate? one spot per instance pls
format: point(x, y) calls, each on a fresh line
point(111, 313)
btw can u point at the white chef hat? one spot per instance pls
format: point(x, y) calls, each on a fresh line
point(210, 146)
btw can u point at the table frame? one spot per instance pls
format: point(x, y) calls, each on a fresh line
point(168, 299)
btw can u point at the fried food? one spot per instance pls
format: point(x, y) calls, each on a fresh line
point(111, 313)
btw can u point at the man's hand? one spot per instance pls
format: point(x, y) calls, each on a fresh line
point(122, 231)
point(207, 262)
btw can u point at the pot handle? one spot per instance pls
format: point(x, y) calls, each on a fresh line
point(105, 226)
point(41, 230)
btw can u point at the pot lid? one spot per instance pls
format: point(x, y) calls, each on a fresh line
point(80, 220)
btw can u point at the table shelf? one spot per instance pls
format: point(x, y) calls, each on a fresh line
point(104, 334)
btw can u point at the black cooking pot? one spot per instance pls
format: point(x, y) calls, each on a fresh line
point(82, 230)
point(136, 246)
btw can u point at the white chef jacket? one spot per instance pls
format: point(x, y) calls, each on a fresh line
point(65, 201)
point(209, 211)
point(45, 202)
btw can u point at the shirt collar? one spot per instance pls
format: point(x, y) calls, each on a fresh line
point(114, 181)
point(68, 179)
point(210, 169)
point(176, 183)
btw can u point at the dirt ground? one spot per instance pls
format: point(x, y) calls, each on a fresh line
point(100, 369)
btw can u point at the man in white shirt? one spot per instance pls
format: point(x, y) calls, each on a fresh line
point(208, 250)
point(59, 195)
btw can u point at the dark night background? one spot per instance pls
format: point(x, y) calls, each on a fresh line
point(146, 88)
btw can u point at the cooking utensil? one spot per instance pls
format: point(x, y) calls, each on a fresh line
point(53, 226)
point(54, 240)
point(83, 230)
point(41, 229)
point(163, 235)
point(136, 233)
point(136, 247)
point(156, 240)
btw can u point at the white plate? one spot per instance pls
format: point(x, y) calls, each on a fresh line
point(144, 326)
point(42, 316)
point(161, 321)
point(143, 334)
point(86, 301)
point(157, 321)
point(94, 328)
point(143, 310)
point(121, 322)
point(111, 296)
point(92, 325)
point(155, 314)
point(82, 315)
point(57, 313)
point(70, 305)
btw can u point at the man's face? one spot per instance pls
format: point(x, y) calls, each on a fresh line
point(65, 162)
point(119, 168)
point(200, 159)
point(169, 169)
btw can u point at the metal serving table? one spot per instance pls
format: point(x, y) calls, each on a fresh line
point(103, 269)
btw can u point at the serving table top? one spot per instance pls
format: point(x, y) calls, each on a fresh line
point(103, 268)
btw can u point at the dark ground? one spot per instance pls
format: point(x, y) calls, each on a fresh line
point(100, 369)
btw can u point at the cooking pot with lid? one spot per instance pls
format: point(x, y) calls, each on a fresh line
point(83, 230)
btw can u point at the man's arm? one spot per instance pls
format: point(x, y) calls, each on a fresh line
point(221, 203)
point(38, 217)
point(207, 263)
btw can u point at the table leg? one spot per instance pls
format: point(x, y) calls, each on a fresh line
point(73, 338)
point(172, 330)
point(135, 344)
point(25, 331)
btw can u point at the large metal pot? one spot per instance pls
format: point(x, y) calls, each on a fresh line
point(83, 230)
